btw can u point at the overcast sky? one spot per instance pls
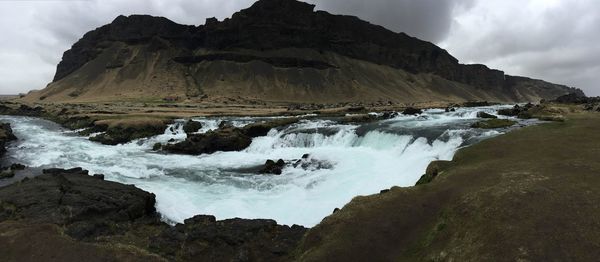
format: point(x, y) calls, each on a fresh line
point(549, 39)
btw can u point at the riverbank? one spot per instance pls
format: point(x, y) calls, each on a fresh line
point(529, 195)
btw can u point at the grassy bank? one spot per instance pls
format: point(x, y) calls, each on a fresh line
point(530, 195)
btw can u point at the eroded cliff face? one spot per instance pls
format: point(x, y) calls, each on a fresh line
point(276, 50)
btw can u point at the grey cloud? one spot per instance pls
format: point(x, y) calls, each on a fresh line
point(552, 40)
point(426, 19)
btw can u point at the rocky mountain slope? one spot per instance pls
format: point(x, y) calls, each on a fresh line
point(277, 51)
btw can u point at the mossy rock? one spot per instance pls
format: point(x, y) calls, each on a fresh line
point(433, 170)
point(494, 123)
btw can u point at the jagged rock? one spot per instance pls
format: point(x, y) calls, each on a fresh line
point(412, 111)
point(84, 205)
point(88, 211)
point(157, 147)
point(485, 115)
point(476, 104)
point(192, 127)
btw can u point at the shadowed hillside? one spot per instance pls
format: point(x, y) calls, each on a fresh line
point(279, 51)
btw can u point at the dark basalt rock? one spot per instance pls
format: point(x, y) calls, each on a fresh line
point(225, 139)
point(203, 238)
point(262, 129)
point(192, 127)
point(272, 167)
point(486, 115)
point(6, 135)
point(412, 111)
point(84, 205)
point(90, 209)
point(125, 134)
point(520, 111)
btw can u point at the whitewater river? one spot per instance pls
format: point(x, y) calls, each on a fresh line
point(345, 161)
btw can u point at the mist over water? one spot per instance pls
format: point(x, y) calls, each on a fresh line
point(345, 161)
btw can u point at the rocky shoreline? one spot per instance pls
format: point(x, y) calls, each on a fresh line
point(110, 215)
point(77, 213)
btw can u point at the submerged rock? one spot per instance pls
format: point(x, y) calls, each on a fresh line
point(486, 115)
point(272, 167)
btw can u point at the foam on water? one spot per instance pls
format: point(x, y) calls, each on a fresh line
point(353, 160)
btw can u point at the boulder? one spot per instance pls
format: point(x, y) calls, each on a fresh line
point(226, 139)
point(412, 111)
point(123, 131)
point(192, 127)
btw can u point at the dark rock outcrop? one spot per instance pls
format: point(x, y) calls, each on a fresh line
point(6, 135)
point(224, 139)
point(576, 98)
point(202, 238)
point(412, 111)
point(121, 133)
point(262, 129)
point(192, 127)
point(84, 210)
point(72, 198)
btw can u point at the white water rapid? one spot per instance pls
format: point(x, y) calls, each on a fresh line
point(345, 161)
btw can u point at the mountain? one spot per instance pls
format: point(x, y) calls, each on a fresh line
point(274, 51)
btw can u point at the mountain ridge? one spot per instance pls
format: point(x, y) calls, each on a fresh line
point(275, 50)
